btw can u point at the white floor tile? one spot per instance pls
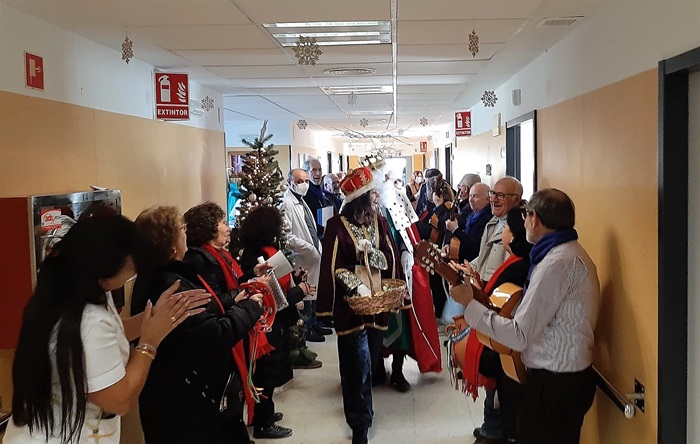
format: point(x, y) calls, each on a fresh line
point(432, 412)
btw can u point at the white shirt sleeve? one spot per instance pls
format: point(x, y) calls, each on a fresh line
point(103, 343)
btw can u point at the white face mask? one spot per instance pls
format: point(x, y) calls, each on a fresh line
point(301, 188)
point(419, 179)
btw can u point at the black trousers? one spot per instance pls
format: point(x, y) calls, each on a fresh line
point(358, 353)
point(265, 409)
point(553, 406)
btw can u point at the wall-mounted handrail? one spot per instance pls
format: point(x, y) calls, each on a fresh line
point(623, 402)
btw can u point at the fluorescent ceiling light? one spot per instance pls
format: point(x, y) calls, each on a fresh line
point(332, 33)
point(340, 43)
point(318, 35)
point(323, 24)
point(371, 113)
point(345, 90)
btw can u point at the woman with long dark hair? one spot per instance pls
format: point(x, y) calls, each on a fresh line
point(348, 236)
point(191, 395)
point(260, 233)
point(73, 373)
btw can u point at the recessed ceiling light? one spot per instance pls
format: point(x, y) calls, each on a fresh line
point(371, 113)
point(349, 71)
point(323, 24)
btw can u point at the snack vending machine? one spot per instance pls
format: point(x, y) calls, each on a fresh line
point(29, 227)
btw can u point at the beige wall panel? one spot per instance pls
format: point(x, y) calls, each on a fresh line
point(51, 147)
point(473, 153)
point(45, 147)
point(601, 148)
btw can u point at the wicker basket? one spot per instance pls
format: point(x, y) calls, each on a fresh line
point(389, 298)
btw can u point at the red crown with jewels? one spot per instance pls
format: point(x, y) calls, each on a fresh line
point(357, 183)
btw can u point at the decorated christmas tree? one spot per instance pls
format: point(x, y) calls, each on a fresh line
point(261, 181)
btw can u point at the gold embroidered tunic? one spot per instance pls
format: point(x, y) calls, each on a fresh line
point(340, 257)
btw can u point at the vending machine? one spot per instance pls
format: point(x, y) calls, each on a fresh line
point(29, 227)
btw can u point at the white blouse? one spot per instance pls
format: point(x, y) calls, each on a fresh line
point(106, 352)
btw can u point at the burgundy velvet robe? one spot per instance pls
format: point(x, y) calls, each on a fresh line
point(339, 252)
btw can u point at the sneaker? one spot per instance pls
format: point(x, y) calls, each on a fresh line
point(313, 336)
point(284, 387)
point(277, 417)
point(272, 432)
point(308, 365)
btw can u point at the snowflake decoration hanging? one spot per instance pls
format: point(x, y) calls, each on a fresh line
point(302, 124)
point(400, 132)
point(364, 122)
point(489, 98)
point(127, 50)
point(207, 104)
point(423, 121)
point(352, 99)
point(307, 51)
point(430, 137)
point(473, 43)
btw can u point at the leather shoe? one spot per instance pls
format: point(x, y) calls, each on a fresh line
point(272, 432)
point(322, 330)
point(359, 436)
point(313, 336)
point(400, 383)
point(277, 416)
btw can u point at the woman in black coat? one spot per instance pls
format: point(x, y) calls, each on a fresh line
point(190, 396)
point(260, 233)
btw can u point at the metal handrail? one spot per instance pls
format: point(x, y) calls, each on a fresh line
point(623, 402)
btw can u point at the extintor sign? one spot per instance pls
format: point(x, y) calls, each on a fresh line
point(463, 123)
point(172, 96)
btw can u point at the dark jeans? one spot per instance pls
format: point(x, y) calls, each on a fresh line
point(264, 409)
point(553, 406)
point(309, 313)
point(358, 352)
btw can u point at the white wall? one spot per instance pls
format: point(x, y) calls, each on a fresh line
point(694, 259)
point(82, 72)
point(625, 38)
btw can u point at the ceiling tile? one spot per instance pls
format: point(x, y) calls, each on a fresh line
point(467, 9)
point(271, 11)
point(426, 53)
point(211, 37)
point(440, 67)
point(258, 72)
point(238, 57)
point(430, 32)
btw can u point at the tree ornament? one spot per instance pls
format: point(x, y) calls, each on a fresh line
point(252, 197)
point(127, 50)
point(474, 43)
point(269, 200)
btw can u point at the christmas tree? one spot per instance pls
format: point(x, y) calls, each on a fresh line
point(261, 178)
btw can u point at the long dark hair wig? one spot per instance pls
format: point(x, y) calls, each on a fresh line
point(358, 207)
point(93, 249)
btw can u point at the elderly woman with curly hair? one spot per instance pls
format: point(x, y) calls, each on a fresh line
point(190, 395)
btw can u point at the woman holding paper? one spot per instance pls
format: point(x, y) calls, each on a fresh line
point(260, 234)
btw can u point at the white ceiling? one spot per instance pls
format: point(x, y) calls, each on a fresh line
point(223, 45)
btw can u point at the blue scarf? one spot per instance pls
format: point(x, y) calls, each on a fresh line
point(548, 241)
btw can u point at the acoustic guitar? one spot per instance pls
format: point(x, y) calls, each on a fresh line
point(454, 242)
point(504, 299)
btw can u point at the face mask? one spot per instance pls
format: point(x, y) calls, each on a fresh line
point(301, 188)
point(419, 179)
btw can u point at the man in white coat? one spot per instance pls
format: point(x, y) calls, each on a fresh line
point(303, 241)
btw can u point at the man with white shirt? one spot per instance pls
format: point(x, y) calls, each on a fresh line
point(303, 241)
point(553, 326)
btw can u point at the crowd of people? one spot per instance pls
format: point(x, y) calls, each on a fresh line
point(205, 341)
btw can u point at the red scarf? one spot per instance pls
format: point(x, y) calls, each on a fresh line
point(232, 271)
point(508, 262)
point(474, 379)
point(285, 281)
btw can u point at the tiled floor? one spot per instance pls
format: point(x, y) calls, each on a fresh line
point(431, 413)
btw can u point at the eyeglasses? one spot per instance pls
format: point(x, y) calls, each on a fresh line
point(525, 213)
point(500, 196)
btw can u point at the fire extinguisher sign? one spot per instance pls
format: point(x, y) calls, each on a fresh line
point(463, 123)
point(172, 96)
